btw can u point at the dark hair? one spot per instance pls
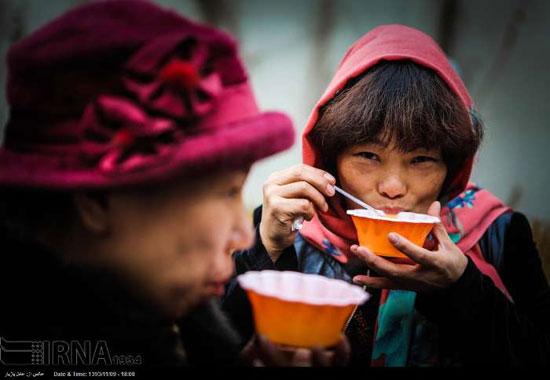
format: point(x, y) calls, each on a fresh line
point(403, 103)
point(24, 212)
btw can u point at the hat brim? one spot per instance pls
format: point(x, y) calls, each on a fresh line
point(232, 147)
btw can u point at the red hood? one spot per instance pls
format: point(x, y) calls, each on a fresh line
point(391, 43)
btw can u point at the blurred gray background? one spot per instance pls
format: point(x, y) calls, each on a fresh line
point(292, 48)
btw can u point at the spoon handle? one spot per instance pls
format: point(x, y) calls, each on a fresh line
point(298, 222)
point(358, 201)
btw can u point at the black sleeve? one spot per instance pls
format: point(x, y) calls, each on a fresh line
point(257, 258)
point(235, 302)
point(208, 337)
point(485, 326)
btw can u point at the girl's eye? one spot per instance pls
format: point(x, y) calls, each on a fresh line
point(368, 155)
point(420, 159)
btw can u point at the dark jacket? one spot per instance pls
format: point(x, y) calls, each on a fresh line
point(44, 301)
point(476, 324)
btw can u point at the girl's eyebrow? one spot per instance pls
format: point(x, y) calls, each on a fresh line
point(374, 144)
point(423, 151)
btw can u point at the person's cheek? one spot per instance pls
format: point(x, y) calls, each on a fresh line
point(217, 233)
point(432, 188)
point(359, 180)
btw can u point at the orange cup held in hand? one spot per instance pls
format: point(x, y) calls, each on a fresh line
point(300, 310)
point(373, 229)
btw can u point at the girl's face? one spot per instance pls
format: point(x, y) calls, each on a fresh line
point(391, 180)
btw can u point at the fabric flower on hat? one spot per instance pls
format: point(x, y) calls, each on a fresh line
point(119, 136)
point(170, 86)
point(172, 76)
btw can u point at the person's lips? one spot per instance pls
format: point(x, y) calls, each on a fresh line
point(392, 210)
point(217, 288)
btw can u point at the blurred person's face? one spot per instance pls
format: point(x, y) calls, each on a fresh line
point(172, 245)
point(390, 180)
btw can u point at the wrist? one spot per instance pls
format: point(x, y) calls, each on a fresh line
point(461, 267)
point(272, 251)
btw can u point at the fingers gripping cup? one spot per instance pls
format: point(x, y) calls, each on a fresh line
point(373, 229)
point(298, 309)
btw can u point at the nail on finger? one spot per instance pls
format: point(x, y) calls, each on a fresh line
point(329, 177)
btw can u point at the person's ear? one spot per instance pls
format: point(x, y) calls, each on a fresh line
point(93, 210)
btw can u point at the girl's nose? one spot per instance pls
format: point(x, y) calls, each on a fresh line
point(392, 186)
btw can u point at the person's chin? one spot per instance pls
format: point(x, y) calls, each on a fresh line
point(185, 308)
point(182, 306)
point(199, 300)
point(208, 292)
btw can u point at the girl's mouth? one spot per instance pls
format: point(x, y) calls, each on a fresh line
point(392, 210)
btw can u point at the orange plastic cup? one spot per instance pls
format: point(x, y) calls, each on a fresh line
point(373, 229)
point(300, 310)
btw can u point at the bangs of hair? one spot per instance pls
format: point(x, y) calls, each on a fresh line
point(399, 103)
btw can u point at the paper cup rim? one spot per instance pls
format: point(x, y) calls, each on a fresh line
point(357, 295)
point(406, 217)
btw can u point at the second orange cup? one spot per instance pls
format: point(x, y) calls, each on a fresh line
point(373, 230)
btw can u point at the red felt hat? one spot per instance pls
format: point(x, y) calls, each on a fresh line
point(122, 92)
